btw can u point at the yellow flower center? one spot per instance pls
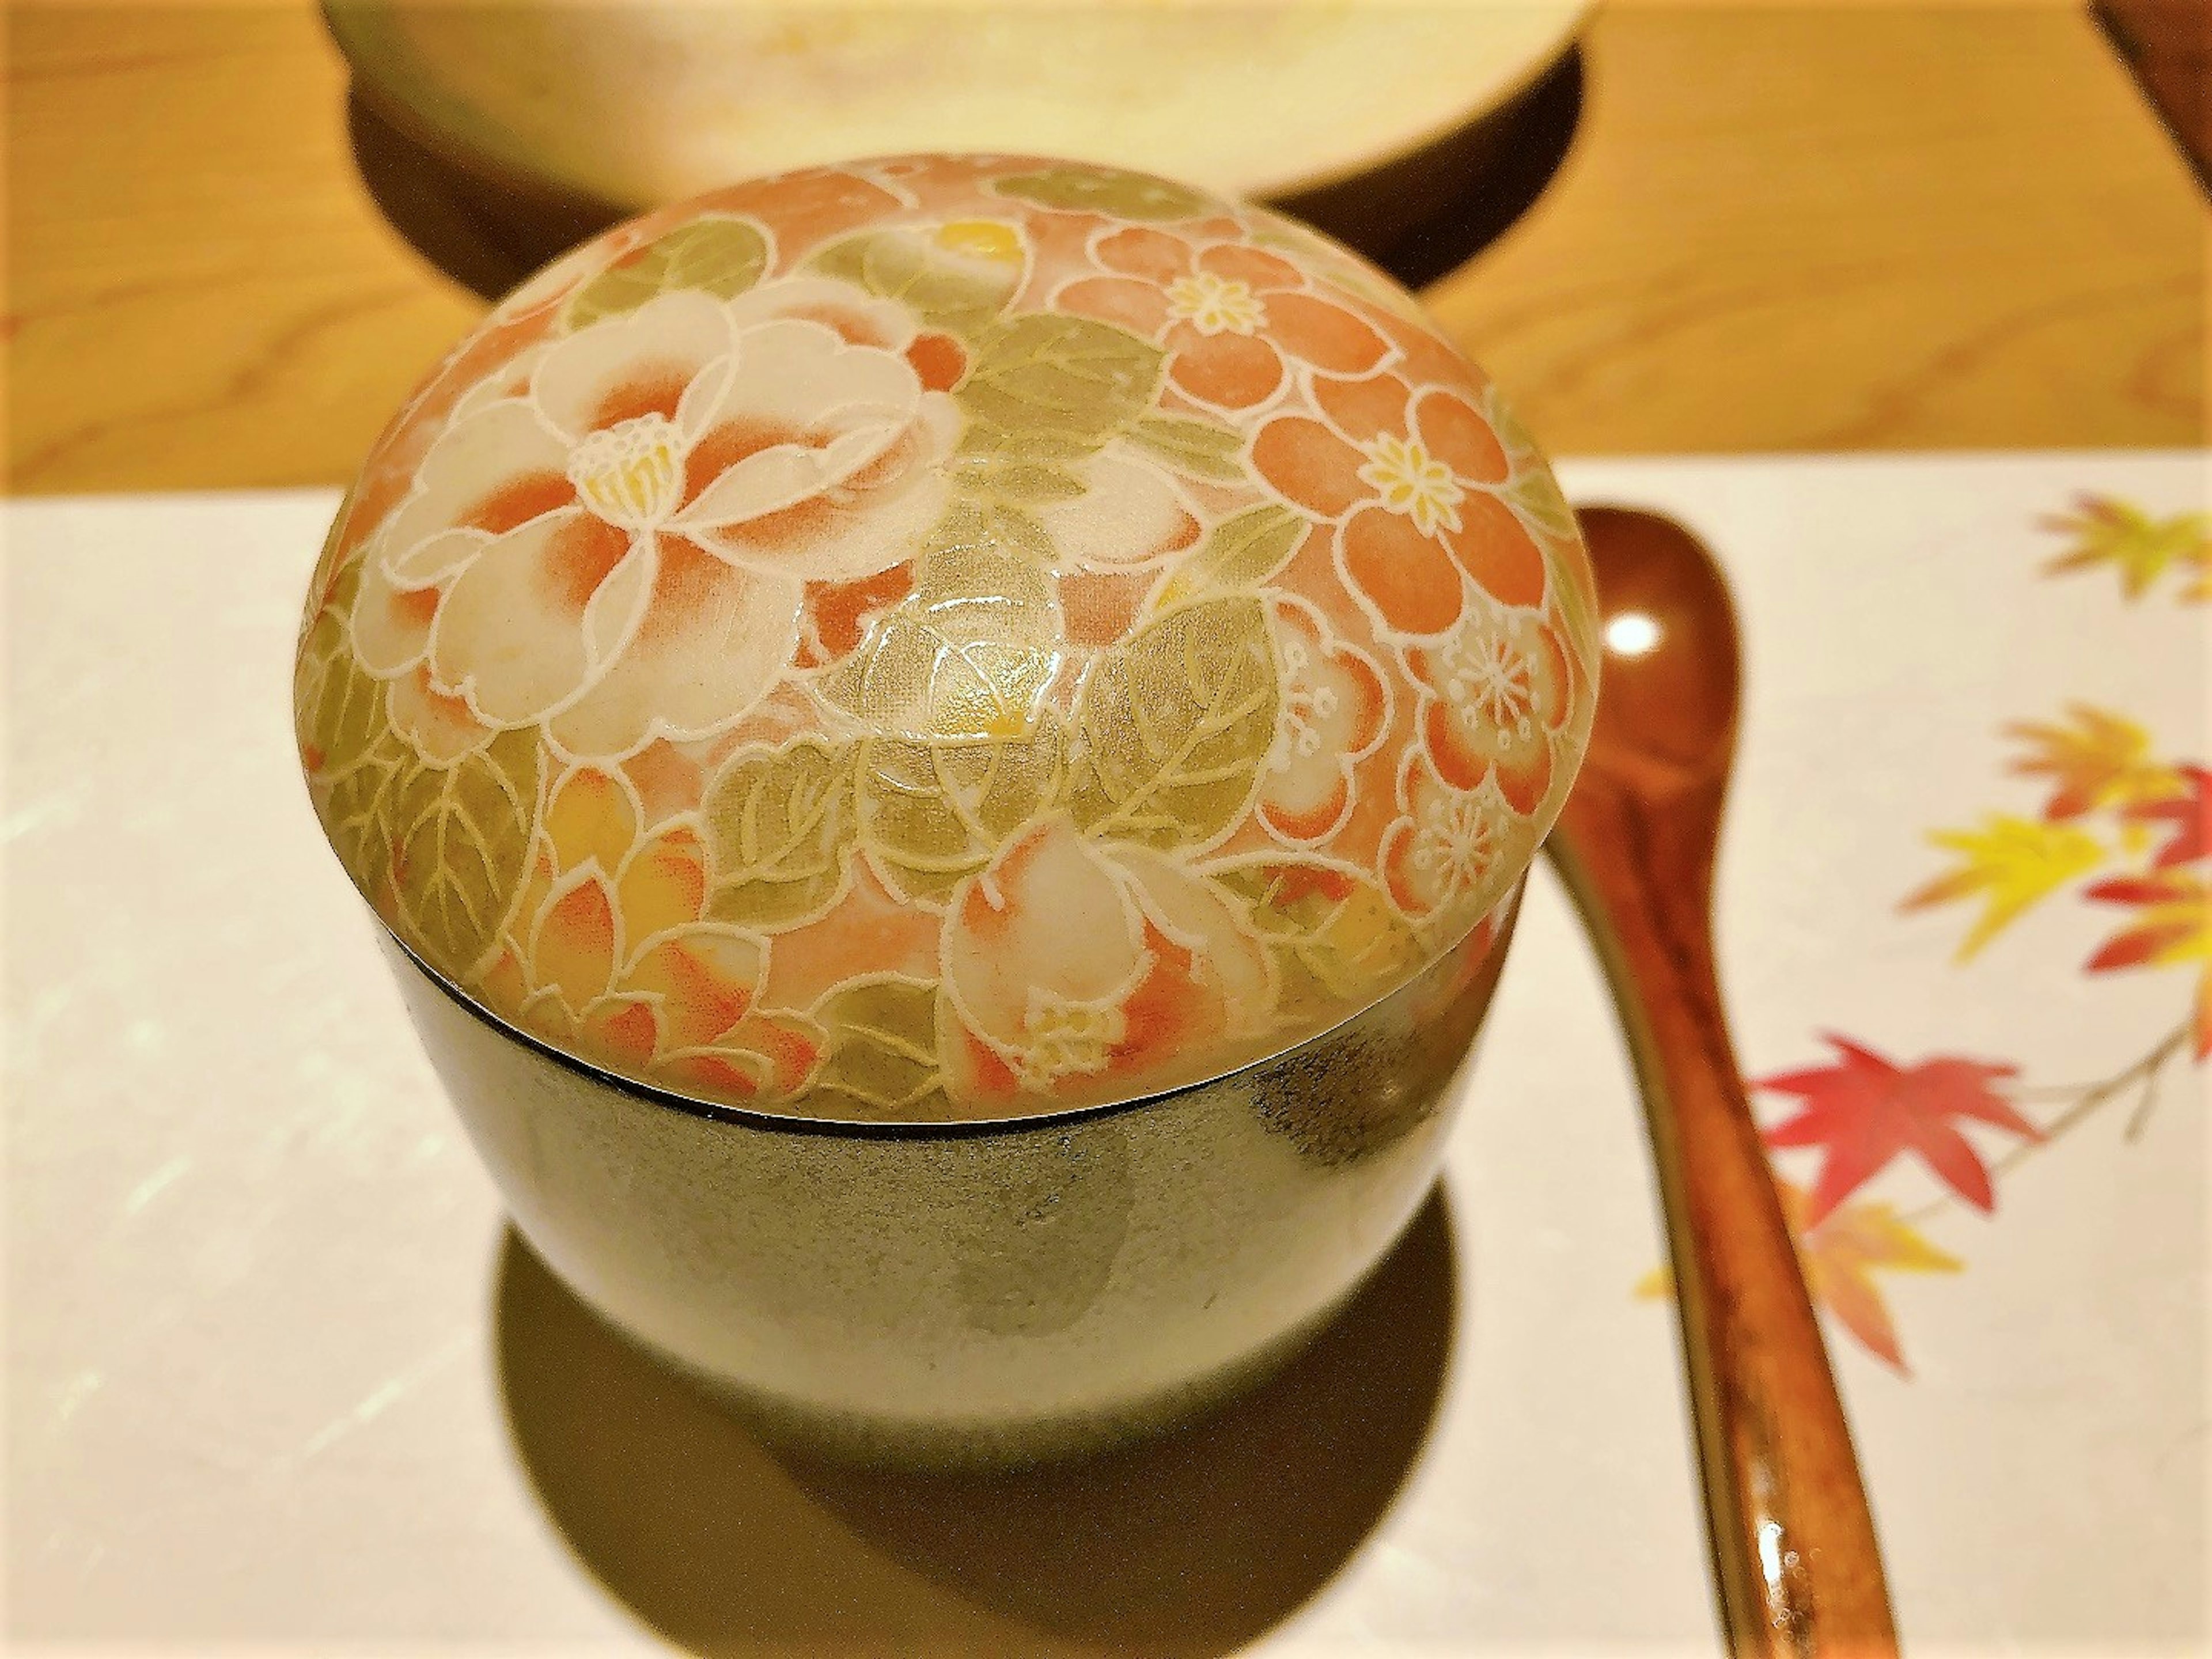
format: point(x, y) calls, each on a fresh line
point(631, 474)
point(1215, 305)
point(1067, 1037)
point(982, 239)
point(1411, 482)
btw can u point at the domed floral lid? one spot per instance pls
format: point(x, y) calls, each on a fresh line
point(945, 637)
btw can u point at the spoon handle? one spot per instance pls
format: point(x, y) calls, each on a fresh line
point(1795, 1558)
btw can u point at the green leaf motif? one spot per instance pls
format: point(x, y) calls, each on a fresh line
point(915, 677)
point(932, 813)
point(1174, 724)
point(983, 548)
point(353, 757)
point(1107, 191)
point(780, 824)
point(1336, 937)
point(1018, 483)
point(1053, 388)
point(338, 709)
point(969, 654)
point(1519, 444)
point(723, 255)
point(960, 295)
point(461, 838)
point(881, 1061)
point(1534, 493)
point(1196, 448)
point(357, 809)
point(1242, 553)
point(1535, 496)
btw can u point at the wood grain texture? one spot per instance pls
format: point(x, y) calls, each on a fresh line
point(1801, 227)
point(1870, 227)
point(201, 295)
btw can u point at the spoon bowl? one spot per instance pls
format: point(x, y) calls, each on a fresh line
point(1672, 674)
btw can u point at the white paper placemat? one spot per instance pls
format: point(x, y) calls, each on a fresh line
point(276, 1374)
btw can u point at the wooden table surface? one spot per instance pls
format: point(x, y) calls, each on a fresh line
point(1797, 227)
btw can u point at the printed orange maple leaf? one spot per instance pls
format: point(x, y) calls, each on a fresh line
point(1865, 1110)
point(2107, 531)
point(2191, 813)
point(2174, 925)
point(2094, 759)
point(1839, 1257)
point(2011, 863)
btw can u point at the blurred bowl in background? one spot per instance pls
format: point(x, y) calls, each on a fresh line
point(558, 119)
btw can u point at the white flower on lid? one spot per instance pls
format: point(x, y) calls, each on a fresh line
point(621, 545)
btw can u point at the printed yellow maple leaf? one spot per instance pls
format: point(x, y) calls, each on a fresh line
point(2093, 759)
point(2108, 531)
point(2011, 863)
point(1839, 1258)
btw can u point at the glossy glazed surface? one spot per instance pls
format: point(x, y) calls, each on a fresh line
point(945, 637)
point(955, 1294)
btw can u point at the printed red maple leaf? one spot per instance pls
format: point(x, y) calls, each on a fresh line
point(1864, 1110)
point(2190, 815)
point(2172, 926)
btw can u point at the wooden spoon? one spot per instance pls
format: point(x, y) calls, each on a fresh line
point(1795, 1560)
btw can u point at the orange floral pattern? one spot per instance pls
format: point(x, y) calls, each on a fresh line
point(610, 952)
point(944, 636)
point(1232, 316)
point(1413, 481)
point(1335, 710)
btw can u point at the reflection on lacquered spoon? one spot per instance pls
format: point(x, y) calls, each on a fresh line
point(1795, 1558)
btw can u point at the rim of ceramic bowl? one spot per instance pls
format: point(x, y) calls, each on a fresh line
point(435, 118)
point(1573, 18)
point(1506, 911)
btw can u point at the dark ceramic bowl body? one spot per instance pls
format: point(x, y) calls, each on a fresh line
point(980, 1292)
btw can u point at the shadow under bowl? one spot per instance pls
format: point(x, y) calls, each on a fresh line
point(1184, 1546)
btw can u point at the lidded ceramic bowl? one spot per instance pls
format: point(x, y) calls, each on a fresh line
point(937, 659)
